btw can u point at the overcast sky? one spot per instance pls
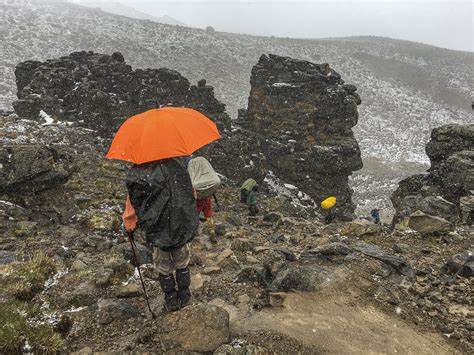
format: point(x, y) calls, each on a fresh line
point(443, 23)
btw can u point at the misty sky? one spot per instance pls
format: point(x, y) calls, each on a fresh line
point(444, 23)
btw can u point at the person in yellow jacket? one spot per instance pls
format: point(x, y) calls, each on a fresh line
point(329, 205)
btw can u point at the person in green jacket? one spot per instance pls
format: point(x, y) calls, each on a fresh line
point(252, 201)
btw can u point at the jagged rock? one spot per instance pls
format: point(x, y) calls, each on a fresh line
point(468, 269)
point(100, 91)
point(287, 95)
point(447, 140)
point(445, 191)
point(211, 270)
point(426, 224)
point(111, 309)
point(328, 250)
point(32, 168)
point(299, 277)
point(287, 253)
point(197, 328)
point(228, 260)
point(438, 206)
point(254, 273)
point(360, 227)
point(401, 248)
point(387, 295)
point(399, 264)
point(466, 205)
point(457, 262)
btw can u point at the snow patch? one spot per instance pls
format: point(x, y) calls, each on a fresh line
point(49, 120)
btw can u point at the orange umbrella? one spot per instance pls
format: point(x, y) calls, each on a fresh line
point(162, 133)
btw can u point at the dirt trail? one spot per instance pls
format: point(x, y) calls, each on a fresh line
point(338, 320)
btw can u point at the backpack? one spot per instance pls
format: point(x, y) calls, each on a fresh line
point(203, 177)
point(245, 189)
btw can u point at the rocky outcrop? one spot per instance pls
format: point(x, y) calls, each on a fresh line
point(99, 91)
point(447, 189)
point(31, 168)
point(302, 114)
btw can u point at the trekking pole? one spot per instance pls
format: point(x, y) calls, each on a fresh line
point(132, 244)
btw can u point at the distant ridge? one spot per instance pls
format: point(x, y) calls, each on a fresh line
point(117, 8)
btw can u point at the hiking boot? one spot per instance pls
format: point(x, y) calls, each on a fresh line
point(168, 285)
point(183, 278)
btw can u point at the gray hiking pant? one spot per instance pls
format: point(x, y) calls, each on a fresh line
point(166, 262)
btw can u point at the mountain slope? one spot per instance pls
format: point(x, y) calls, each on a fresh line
point(406, 88)
point(117, 8)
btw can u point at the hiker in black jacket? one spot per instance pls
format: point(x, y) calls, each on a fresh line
point(162, 196)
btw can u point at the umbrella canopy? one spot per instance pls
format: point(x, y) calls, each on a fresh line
point(162, 133)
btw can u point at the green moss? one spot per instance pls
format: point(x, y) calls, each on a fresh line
point(19, 327)
point(27, 279)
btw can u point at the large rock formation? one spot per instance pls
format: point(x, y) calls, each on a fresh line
point(447, 189)
point(100, 91)
point(302, 114)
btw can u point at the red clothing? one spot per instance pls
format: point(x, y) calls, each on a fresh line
point(204, 206)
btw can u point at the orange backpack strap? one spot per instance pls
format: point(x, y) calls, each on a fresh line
point(129, 217)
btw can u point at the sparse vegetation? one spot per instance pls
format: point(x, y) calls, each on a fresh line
point(21, 332)
point(26, 279)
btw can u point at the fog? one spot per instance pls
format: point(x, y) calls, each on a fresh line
point(446, 24)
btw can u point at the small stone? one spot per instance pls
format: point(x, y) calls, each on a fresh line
point(82, 295)
point(260, 249)
point(228, 260)
point(103, 277)
point(273, 217)
point(234, 220)
point(128, 291)
point(277, 299)
point(360, 227)
point(211, 270)
point(197, 282)
point(220, 229)
point(110, 310)
point(468, 269)
point(241, 244)
point(78, 265)
point(287, 253)
point(244, 299)
point(401, 248)
point(387, 295)
point(251, 259)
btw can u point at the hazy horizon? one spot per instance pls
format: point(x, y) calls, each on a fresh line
point(445, 24)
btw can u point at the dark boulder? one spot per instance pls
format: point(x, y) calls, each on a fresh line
point(400, 265)
point(300, 277)
point(446, 190)
point(32, 168)
point(301, 114)
point(100, 91)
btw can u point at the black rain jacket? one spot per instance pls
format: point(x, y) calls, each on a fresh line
point(162, 196)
